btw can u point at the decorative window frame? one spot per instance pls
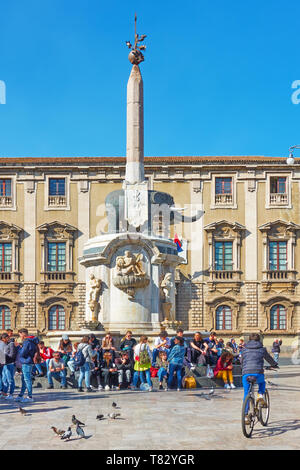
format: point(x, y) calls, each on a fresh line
point(45, 306)
point(290, 311)
point(55, 232)
point(10, 233)
point(235, 306)
point(13, 206)
point(288, 177)
point(213, 204)
point(14, 308)
point(66, 207)
point(223, 231)
point(279, 230)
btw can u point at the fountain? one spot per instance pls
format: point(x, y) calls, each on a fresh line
point(130, 270)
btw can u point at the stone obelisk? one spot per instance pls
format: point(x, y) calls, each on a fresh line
point(135, 128)
point(135, 186)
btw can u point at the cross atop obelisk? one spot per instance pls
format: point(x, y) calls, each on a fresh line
point(135, 113)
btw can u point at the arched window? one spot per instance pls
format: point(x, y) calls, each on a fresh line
point(278, 317)
point(223, 318)
point(5, 317)
point(57, 318)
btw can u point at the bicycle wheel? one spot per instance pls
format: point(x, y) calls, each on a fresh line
point(249, 406)
point(264, 411)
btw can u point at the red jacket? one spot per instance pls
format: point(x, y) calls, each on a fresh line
point(46, 353)
point(221, 366)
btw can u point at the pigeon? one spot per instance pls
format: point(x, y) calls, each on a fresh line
point(113, 415)
point(211, 392)
point(59, 432)
point(22, 411)
point(203, 395)
point(76, 421)
point(99, 417)
point(114, 405)
point(67, 434)
point(80, 431)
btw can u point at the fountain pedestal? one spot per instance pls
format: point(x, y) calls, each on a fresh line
point(130, 267)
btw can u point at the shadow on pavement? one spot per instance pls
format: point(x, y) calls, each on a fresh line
point(277, 428)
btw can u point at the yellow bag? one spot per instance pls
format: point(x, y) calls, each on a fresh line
point(190, 382)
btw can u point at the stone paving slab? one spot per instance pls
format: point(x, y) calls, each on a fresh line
point(155, 420)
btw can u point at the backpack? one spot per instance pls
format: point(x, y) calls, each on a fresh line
point(190, 382)
point(144, 357)
point(79, 359)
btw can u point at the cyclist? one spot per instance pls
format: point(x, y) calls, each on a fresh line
point(252, 358)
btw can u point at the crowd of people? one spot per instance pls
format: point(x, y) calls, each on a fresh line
point(131, 365)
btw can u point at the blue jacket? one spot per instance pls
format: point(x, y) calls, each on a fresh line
point(253, 356)
point(28, 350)
point(176, 355)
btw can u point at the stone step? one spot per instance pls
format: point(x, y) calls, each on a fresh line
point(199, 373)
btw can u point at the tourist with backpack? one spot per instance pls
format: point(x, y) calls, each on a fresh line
point(142, 364)
point(83, 360)
point(27, 353)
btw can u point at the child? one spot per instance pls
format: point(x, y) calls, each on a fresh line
point(162, 365)
point(124, 366)
point(109, 370)
point(143, 360)
point(223, 369)
point(162, 343)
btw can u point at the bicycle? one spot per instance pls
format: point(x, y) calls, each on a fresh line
point(255, 410)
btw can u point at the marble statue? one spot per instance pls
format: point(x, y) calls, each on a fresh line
point(130, 264)
point(166, 285)
point(95, 287)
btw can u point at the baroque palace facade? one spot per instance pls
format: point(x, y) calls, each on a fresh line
point(242, 258)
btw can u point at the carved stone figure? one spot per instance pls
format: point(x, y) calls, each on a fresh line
point(95, 287)
point(130, 264)
point(166, 286)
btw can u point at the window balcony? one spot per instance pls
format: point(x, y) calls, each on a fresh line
point(57, 280)
point(57, 276)
point(5, 201)
point(280, 279)
point(57, 201)
point(224, 275)
point(225, 278)
point(277, 199)
point(5, 276)
point(223, 199)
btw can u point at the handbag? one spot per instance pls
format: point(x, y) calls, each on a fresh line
point(209, 372)
point(190, 382)
point(153, 371)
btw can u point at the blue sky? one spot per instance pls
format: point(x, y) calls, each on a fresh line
point(217, 76)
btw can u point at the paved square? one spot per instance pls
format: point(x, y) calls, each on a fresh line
point(158, 420)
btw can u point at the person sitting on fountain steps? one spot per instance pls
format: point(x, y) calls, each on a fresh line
point(252, 359)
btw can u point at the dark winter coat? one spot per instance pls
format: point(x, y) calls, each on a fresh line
point(29, 348)
point(276, 347)
point(252, 358)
